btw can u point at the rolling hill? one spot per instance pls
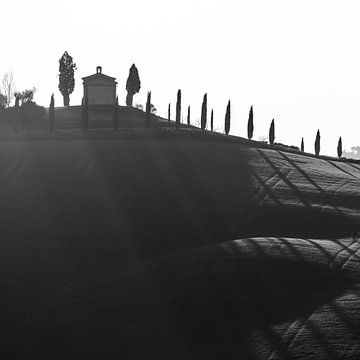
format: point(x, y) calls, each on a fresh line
point(175, 245)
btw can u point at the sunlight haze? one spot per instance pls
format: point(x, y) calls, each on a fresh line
point(295, 61)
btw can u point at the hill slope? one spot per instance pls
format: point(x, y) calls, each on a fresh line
point(123, 244)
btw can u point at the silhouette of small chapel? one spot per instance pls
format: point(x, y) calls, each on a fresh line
point(100, 88)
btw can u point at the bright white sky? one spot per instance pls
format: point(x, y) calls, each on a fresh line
point(296, 61)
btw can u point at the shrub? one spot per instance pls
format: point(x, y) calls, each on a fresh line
point(32, 115)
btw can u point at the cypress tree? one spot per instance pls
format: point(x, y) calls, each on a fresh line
point(339, 147)
point(317, 143)
point(85, 112)
point(132, 84)
point(302, 144)
point(250, 124)
point(178, 110)
point(212, 120)
point(148, 110)
point(227, 118)
point(272, 132)
point(116, 114)
point(66, 77)
point(51, 113)
point(188, 115)
point(169, 110)
point(17, 113)
point(204, 113)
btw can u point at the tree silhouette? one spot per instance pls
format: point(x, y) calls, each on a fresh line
point(317, 143)
point(51, 113)
point(17, 114)
point(302, 144)
point(250, 124)
point(227, 118)
point(178, 110)
point(26, 95)
point(132, 84)
point(272, 132)
point(8, 86)
point(204, 113)
point(116, 114)
point(2, 101)
point(188, 115)
point(169, 113)
point(148, 110)
point(339, 147)
point(66, 77)
point(212, 120)
point(153, 109)
point(85, 112)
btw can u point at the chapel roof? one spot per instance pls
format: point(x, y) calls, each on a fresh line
point(99, 76)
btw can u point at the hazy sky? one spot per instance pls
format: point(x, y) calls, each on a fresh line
point(296, 61)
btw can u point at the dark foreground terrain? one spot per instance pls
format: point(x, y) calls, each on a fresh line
point(175, 246)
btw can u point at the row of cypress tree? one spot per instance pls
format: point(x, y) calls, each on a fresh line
point(317, 145)
point(203, 120)
point(250, 127)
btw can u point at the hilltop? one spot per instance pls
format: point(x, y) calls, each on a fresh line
point(178, 245)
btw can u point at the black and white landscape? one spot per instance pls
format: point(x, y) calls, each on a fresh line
point(141, 218)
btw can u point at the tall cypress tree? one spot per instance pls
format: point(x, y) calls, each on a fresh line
point(51, 113)
point(317, 143)
point(212, 120)
point(85, 112)
point(169, 111)
point(227, 118)
point(116, 114)
point(302, 144)
point(66, 77)
point(272, 132)
point(188, 115)
point(204, 113)
point(339, 147)
point(251, 124)
point(132, 84)
point(17, 113)
point(178, 110)
point(148, 110)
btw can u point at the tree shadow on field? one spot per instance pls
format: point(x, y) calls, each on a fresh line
point(316, 215)
point(212, 313)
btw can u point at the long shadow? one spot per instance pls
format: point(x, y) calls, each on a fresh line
point(231, 296)
point(296, 191)
point(342, 170)
point(353, 166)
point(326, 198)
point(312, 222)
point(267, 189)
point(351, 201)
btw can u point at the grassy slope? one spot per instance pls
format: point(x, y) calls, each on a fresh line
point(123, 244)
